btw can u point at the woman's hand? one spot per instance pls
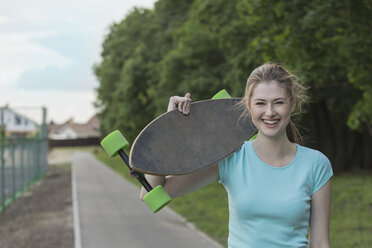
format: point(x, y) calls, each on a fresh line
point(182, 103)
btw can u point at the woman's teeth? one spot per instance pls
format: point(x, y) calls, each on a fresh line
point(270, 122)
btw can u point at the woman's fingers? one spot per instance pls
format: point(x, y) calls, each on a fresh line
point(186, 103)
point(181, 103)
point(184, 109)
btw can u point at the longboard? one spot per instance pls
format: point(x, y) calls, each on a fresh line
point(175, 143)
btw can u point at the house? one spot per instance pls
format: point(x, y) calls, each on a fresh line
point(15, 125)
point(71, 130)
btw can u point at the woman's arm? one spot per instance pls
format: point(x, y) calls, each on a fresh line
point(319, 217)
point(180, 185)
point(183, 184)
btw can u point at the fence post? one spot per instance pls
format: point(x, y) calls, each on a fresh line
point(2, 146)
point(37, 159)
point(34, 160)
point(12, 147)
point(27, 164)
point(43, 145)
point(23, 170)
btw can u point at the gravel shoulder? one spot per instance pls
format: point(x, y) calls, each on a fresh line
point(42, 216)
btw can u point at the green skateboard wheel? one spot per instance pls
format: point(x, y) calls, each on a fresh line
point(221, 94)
point(157, 198)
point(114, 142)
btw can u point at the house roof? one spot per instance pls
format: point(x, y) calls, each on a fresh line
point(89, 129)
point(6, 108)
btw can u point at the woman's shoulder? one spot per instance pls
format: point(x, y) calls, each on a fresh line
point(321, 168)
point(238, 152)
point(317, 158)
point(311, 152)
point(231, 163)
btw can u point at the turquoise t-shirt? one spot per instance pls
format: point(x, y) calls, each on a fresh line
point(270, 206)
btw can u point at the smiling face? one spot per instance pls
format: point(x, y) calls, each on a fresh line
point(270, 108)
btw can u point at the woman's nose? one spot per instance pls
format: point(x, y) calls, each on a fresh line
point(270, 110)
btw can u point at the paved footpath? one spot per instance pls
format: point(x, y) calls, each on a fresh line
point(109, 213)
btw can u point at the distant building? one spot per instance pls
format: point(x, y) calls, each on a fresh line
point(16, 125)
point(72, 130)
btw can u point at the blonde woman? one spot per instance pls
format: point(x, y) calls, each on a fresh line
point(278, 190)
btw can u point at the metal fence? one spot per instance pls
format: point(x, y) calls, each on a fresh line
point(22, 162)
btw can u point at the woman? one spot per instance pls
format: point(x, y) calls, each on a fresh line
point(277, 189)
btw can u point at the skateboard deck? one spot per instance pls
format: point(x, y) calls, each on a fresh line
point(175, 144)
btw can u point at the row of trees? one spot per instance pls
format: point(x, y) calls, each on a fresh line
point(202, 46)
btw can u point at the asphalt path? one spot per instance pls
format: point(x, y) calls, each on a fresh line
point(109, 213)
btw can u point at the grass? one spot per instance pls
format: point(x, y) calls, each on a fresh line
point(207, 208)
point(77, 148)
point(351, 211)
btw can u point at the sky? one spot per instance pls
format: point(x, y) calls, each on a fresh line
point(47, 52)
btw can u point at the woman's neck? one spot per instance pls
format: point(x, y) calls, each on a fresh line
point(278, 151)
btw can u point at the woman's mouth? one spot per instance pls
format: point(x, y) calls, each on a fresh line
point(271, 123)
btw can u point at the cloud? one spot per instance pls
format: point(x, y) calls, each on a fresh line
point(18, 52)
point(71, 78)
point(74, 45)
point(48, 48)
point(71, 72)
point(3, 20)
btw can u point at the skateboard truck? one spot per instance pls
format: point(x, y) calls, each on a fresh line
point(156, 198)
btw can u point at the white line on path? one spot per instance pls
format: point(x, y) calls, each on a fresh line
point(77, 233)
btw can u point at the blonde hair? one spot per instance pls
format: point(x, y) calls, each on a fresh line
point(296, 92)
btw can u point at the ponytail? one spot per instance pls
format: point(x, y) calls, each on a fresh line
point(293, 133)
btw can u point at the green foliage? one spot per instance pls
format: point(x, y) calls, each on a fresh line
point(128, 94)
point(202, 46)
point(123, 75)
point(351, 214)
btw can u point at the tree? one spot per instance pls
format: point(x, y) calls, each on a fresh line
point(129, 71)
point(204, 46)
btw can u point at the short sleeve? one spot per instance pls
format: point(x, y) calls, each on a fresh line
point(322, 172)
point(225, 166)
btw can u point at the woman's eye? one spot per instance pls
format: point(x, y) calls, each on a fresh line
point(260, 103)
point(279, 102)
